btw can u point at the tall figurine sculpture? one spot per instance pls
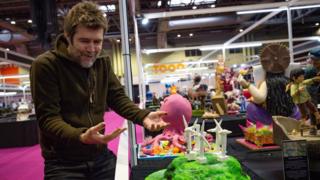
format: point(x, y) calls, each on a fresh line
point(269, 97)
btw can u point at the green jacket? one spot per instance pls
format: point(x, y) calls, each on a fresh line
point(69, 99)
point(300, 97)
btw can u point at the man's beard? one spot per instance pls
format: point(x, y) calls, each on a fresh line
point(87, 64)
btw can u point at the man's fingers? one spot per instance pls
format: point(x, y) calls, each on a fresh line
point(98, 127)
point(165, 124)
point(153, 127)
point(161, 113)
point(119, 130)
point(157, 126)
point(149, 127)
point(114, 134)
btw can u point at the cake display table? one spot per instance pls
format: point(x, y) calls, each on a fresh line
point(258, 165)
point(18, 133)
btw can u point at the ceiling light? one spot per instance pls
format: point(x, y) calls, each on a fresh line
point(7, 93)
point(219, 46)
point(12, 22)
point(175, 3)
point(261, 11)
point(159, 3)
point(145, 21)
point(195, 21)
point(108, 8)
point(178, 35)
point(277, 9)
point(103, 8)
point(192, 69)
point(305, 7)
point(4, 31)
point(243, 45)
point(15, 76)
point(240, 30)
point(231, 46)
point(191, 34)
point(29, 21)
point(118, 40)
point(317, 24)
point(201, 62)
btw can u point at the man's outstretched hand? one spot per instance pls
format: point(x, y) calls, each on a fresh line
point(93, 136)
point(154, 121)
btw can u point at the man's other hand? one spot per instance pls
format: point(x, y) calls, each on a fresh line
point(154, 121)
point(93, 136)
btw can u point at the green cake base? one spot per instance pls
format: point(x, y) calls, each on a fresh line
point(182, 169)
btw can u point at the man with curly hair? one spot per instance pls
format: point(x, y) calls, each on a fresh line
point(72, 86)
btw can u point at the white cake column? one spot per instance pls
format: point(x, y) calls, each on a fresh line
point(223, 134)
point(197, 138)
point(216, 130)
point(201, 158)
point(188, 133)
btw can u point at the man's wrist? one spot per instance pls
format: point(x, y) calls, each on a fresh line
point(82, 138)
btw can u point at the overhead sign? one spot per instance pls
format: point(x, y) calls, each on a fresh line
point(174, 67)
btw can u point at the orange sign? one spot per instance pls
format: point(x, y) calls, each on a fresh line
point(10, 70)
point(164, 68)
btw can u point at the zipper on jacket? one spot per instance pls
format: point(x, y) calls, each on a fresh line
point(91, 89)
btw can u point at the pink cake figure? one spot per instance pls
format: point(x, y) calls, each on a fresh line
point(176, 107)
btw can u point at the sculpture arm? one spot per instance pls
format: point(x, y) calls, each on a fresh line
point(259, 94)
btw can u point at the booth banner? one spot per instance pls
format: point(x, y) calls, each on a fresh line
point(10, 70)
point(174, 67)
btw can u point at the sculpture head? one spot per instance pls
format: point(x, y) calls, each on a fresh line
point(175, 105)
point(275, 58)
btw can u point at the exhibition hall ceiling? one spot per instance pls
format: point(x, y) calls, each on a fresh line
point(28, 26)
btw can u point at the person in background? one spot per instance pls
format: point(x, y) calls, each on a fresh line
point(14, 106)
point(192, 92)
point(155, 100)
point(314, 89)
point(300, 95)
point(72, 86)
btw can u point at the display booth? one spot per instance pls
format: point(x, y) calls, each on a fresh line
point(258, 163)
